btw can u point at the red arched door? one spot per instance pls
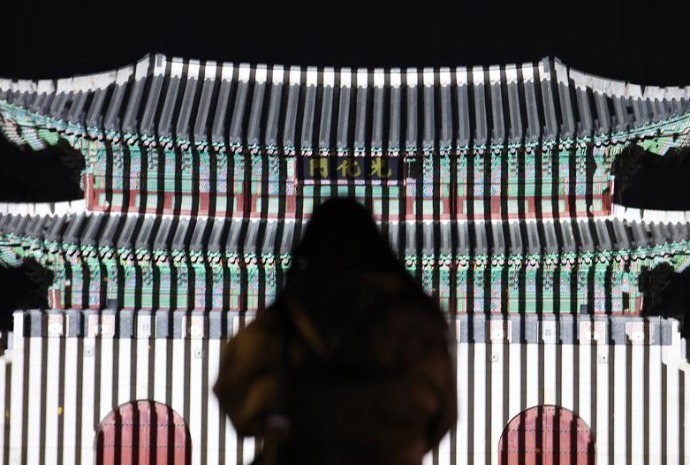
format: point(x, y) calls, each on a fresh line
point(546, 435)
point(143, 432)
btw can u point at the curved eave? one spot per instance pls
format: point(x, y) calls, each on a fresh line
point(486, 243)
point(162, 101)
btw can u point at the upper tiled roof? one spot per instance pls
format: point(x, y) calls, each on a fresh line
point(307, 109)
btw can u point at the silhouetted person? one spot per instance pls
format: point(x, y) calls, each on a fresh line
point(351, 365)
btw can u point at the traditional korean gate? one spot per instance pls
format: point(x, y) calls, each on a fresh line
point(143, 432)
point(546, 435)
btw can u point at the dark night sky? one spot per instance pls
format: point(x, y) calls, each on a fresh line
point(638, 41)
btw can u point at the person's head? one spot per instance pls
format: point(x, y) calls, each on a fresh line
point(343, 262)
point(342, 236)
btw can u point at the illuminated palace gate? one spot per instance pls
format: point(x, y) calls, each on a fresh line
point(143, 433)
point(199, 177)
point(546, 435)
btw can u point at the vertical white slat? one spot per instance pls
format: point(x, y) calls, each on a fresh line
point(52, 400)
point(196, 374)
point(550, 374)
point(686, 429)
point(4, 420)
point(160, 381)
point(497, 421)
point(532, 381)
point(70, 408)
point(480, 388)
point(655, 447)
point(514, 381)
point(428, 459)
point(603, 409)
point(230, 442)
point(124, 375)
point(248, 446)
point(17, 395)
point(231, 438)
point(620, 407)
point(585, 387)
point(463, 399)
point(672, 407)
point(637, 418)
point(34, 395)
point(567, 375)
point(144, 347)
point(444, 451)
point(88, 408)
point(180, 376)
point(105, 360)
point(213, 413)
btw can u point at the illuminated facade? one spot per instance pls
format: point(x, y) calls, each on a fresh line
point(494, 186)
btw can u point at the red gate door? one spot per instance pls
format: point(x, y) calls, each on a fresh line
point(144, 433)
point(546, 435)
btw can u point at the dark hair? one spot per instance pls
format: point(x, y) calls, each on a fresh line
point(343, 267)
point(342, 236)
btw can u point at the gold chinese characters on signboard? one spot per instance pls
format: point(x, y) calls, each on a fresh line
point(332, 168)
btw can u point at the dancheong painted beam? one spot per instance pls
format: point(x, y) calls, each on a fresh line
point(177, 136)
